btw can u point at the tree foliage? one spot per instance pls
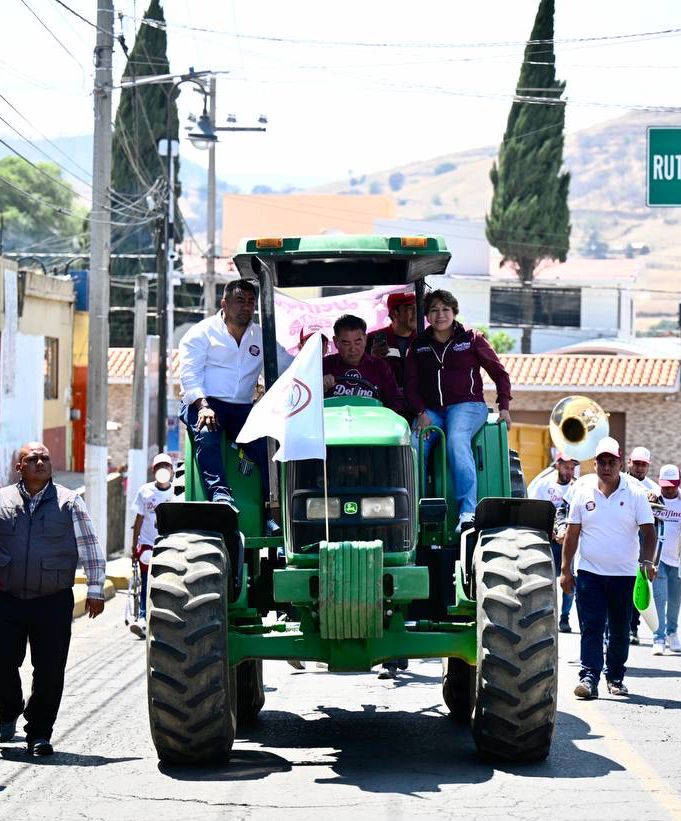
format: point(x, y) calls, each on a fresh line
point(52, 210)
point(529, 219)
point(145, 115)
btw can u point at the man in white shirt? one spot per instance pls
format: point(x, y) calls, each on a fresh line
point(606, 512)
point(638, 466)
point(551, 486)
point(667, 585)
point(144, 531)
point(220, 361)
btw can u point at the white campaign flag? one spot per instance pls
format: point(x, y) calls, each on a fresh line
point(292, 410)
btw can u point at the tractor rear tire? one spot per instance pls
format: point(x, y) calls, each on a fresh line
point(458, 687)
point(518, 486)
point(250, 691)
point(514, 710)
point(191, 686)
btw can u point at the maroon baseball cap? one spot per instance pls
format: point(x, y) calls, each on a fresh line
point(400, 298)
point(305, 334)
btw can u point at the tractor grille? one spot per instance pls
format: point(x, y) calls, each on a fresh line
point(353, 474)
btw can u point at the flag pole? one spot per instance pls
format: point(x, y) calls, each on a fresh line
point(326, 500)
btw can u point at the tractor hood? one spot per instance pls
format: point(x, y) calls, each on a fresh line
point(357, 421)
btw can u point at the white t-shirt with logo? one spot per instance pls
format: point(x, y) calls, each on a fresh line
point(147, 499)
point(548, 489)
point(608, 539)
point(671, 535)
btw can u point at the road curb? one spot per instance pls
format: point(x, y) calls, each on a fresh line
point(118, 571)
point(80, 595)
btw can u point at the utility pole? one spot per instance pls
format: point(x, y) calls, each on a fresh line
point(137, 456)
point(209, 282)
point(100, 249)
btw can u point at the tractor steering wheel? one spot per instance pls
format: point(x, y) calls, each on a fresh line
point(360, 380)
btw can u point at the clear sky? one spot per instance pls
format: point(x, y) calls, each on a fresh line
point(350, 86)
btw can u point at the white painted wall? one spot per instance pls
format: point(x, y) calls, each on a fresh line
point(465, 240)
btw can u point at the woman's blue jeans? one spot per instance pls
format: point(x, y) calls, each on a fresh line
point(667, 595)
point(460, 423)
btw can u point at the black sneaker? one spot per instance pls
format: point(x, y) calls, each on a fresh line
point(564, 626)
point(388, 670)
point(617, 688)
point(633, 637)
point(402, 664)
point(39, 746)
point(586, 689)
point(8, 730)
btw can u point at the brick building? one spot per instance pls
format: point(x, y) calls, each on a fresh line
point(640, 394)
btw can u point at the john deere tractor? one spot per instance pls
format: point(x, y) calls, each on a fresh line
point(394, 579)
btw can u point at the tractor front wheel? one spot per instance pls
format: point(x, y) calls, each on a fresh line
point(458, 687)
point(250, 691)
point(514, 709)
point(191, 686)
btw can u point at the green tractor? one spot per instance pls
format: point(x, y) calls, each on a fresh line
point(394, 579)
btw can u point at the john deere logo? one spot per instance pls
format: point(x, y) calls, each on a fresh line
point(350, 508)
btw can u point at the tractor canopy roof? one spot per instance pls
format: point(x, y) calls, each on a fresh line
point(342, 259)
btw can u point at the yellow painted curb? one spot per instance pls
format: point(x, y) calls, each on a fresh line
point(117, 570)
point(80, 595)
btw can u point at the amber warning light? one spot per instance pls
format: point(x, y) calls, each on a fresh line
point(269, 242)
point(414, 242)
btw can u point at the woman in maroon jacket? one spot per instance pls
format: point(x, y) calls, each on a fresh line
point(444, 387)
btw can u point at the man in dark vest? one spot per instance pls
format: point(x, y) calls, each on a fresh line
point(45, 530)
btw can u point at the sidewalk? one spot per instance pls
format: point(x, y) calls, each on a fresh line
point(118, 572)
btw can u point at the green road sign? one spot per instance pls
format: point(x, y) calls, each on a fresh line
point(664, 166)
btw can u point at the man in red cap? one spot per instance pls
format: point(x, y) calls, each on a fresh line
point(393, 341)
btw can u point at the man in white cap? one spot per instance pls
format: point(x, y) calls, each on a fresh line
point(144, 531)
point(606, 512)
point(638, 466)
point(551, 486)
point(667, 585)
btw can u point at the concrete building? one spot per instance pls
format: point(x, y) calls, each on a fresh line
point(36, 321)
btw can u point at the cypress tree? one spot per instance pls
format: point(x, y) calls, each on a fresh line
point(529, 220)
point(141, 121)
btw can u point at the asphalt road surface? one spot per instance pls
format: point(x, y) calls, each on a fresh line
point(345, 746)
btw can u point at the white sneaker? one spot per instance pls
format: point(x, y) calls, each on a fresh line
point(658, 647)
point(465, 522)
point(139, 628)
point(673, 642)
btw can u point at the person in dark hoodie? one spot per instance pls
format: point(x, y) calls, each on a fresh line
point(444, 387)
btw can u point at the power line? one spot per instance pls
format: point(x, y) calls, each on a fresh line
point(414, 45)
point(53, 35)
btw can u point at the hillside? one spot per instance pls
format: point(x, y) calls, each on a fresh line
point(607, 195)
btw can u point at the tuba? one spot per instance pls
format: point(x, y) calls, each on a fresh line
point(576, 425)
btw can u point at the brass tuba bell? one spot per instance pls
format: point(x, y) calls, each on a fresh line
point(576, 425)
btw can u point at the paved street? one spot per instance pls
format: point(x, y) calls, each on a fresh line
point(345, 746)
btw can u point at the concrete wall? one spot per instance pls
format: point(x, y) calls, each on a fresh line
point(650, 419)
point(48, 312)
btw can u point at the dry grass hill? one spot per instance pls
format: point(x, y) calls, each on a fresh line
point(607, 195)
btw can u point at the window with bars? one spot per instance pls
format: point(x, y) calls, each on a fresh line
point(51, 367)
point(557, 307)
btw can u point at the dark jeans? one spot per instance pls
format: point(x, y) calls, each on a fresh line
point(45, 623)
point(144, 575)
point(568, 598)
point(231, 419)
point(601, 598)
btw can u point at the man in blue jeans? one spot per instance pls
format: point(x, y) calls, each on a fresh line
point(667, 584)
point(220, 361)
point(606, 512)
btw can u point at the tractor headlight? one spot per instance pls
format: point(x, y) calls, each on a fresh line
point(316, 509)
point(378, 507)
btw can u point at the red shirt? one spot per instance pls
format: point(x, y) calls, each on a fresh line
point(371, 368)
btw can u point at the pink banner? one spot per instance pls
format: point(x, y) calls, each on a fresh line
point(294, 315)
